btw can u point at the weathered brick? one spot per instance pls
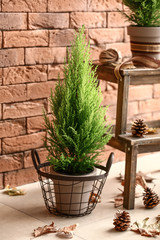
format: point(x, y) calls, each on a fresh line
point(0, 39)
point(11, 57)
point(26, 74)
point(104, 5)
point(54, 70)
point(91, 19)
point(11, 162)
point(26, 38)
point(112, 86)
point(95, 52)
point(0, 76)
point(1, 181)
point(24, 6)
point(156, 115)
point(132, 109)
point(145, 116)
point(20, 177)
point(13, 21)
point(111, 113)
point(103, 86)
point(135, 92)
point(23, 143)
point(45, 55)
point(14, 93)
point(106, 35)
point(109, 98)
point(23, 109)
point(156, 91)
point(123, 48)
point(0, 111)
point(67, 5)
point(12, 128)
point(42, 152)
point(151, 105)
point(118, 155)
point(48, 20)
point(49, 107)
point(40, 90)
point(126, 36)
point(35, 124)
point(61, 38)
point(116, 19)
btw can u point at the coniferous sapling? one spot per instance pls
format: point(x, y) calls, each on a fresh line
point(143, 13)
point(78, 131)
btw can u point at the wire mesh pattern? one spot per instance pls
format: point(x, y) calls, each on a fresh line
point(70, 195)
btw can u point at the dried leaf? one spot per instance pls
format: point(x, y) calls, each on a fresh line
point(120, 177)
point(67, 232)
point(148, 233)
point(147, 177)
point(118, 201)
point(44, 230)
point(68, 229)
point(155, 226)
point(94, 198)
point(122, 182)
point(152, 130)
point(138, 191)
point(141, 181)
point(137, 227)
point(13, 191)
point(150, 230)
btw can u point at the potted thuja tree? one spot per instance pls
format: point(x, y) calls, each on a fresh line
point(144, 32)
point(77, 132)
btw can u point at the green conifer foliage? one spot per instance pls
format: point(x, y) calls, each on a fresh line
point(77, 132)
point(144, 13)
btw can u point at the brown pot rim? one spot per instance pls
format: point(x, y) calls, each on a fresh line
point(153, 32)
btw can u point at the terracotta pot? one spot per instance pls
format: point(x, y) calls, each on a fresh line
point(145, 41)
point(72, 197)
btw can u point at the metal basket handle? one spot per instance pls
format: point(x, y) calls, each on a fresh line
point(37, 162)
point(109, 162)
point(35, 159)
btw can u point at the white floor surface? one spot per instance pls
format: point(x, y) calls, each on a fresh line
point(20, 215)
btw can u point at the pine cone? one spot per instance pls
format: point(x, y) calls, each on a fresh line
point(139, 128)
point(150, 198)
point(122, 221)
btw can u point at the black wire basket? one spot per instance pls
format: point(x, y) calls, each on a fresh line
point(70, 195)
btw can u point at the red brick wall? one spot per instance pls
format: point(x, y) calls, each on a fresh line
point(34, 35)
